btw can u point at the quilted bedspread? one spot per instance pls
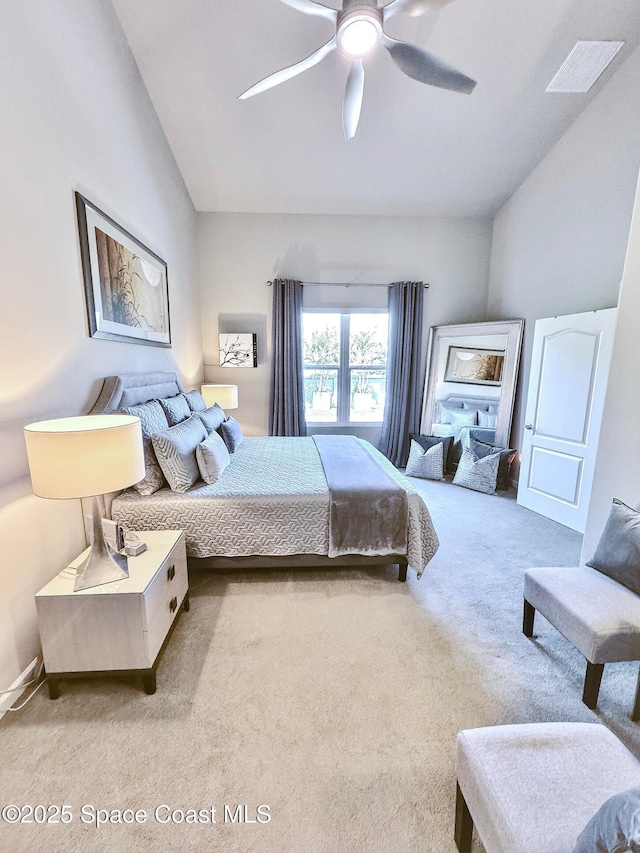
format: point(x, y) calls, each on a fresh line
point(272, 500)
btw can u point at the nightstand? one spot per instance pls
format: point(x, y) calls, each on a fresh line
point(118, 628)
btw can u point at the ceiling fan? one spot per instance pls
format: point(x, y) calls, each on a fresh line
point(359, 31)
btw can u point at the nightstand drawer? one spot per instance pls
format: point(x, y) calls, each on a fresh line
point(167, 612)
point(171, 577)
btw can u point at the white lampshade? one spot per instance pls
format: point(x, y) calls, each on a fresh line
point(226, 396)
point(84, 456)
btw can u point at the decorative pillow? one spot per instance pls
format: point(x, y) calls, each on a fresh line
point(618, 551)
point(176, 451)
point(231, 432)
point(615, 827)
point(477, 474)
point(212, 457)
point(493, 408)
point(176, 409)
point(507, 455)
point(195, 401)
point(212, 417)
point(466, 417)
point(487, 419)
point(428, 441)
point(152, 420)
point(427, 464)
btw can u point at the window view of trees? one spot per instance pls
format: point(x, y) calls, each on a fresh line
point(345, 358)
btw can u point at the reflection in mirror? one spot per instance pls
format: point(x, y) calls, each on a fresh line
point(471, 380)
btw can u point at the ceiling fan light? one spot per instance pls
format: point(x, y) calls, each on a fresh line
point(358, 36)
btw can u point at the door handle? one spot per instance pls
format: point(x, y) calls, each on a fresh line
point(528, 426)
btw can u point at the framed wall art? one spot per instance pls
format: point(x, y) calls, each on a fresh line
point(238, 349)
point(125, 283)
point(474, 366)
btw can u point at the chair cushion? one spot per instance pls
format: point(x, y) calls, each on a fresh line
point(618, 551)
point(532, 788)
point(615, 827)
point(595, 613)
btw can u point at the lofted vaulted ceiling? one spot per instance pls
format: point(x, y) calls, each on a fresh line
point(418, 150)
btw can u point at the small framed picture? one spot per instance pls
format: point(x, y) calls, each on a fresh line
point(125, 282)
point(238, 349)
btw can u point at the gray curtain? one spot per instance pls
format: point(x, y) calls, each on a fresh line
point(286, 399)
point(404, 388)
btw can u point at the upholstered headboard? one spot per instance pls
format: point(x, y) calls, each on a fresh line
point(130, 389)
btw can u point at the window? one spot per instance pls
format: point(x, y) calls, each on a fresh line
point(345, 365)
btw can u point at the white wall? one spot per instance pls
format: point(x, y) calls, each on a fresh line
point(239, 253)
point(617, 473)
point(559, 243)
point(75, 115)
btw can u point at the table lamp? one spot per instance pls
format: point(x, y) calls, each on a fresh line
point(226, 396)
point(87, 456)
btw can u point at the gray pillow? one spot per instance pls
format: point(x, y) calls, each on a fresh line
point(427, 441)
point(479, 474)
point(176, 451)
point(195, 401)
point(231, 432)
point(152, 420)
point(507, 455)
point(618, 551)
point(212, 457)
point(426, 464)
point(615, 827)
point(175, 408)
point(212, 417)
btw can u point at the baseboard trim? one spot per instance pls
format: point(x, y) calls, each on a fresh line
point(17, 687)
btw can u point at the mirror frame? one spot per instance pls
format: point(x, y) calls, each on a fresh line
point(513, 330)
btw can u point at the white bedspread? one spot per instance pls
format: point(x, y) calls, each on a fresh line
point(272, 500)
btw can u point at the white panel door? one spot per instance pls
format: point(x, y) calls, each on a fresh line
point(569, 373)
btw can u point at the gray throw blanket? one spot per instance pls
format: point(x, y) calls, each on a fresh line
point(369, 510)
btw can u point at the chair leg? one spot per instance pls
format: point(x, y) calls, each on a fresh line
point(635, 716)
point(592, 679)
point(527, 619)
point(464, 823)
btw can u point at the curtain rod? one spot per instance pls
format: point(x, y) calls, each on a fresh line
point(341, 284)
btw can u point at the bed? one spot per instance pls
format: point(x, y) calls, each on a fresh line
point(273, 505)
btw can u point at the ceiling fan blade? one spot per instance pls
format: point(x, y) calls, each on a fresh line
point(311, 8)
point(410, 7)
point(292, 71)
point(352, 103)
point(427, 68)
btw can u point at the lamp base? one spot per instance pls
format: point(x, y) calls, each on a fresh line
point(103, 564)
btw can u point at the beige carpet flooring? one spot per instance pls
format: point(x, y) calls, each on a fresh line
point(333, 698)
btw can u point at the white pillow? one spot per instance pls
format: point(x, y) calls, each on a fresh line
point(445, 412)
point(212, 457)
point(427, 464)
point(464, 418)
point(487, 419)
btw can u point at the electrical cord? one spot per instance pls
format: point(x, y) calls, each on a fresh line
point(22, 687)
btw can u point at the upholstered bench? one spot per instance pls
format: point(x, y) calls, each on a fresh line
point(533, 788)
point(595, 613)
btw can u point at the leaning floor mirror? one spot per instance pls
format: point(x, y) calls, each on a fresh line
point(471, 379)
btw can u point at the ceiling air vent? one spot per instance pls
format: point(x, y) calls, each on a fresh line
point(584, 65)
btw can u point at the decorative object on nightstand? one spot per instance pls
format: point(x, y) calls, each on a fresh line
point(82, 457)
point(119, 628)
point(226, 396)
